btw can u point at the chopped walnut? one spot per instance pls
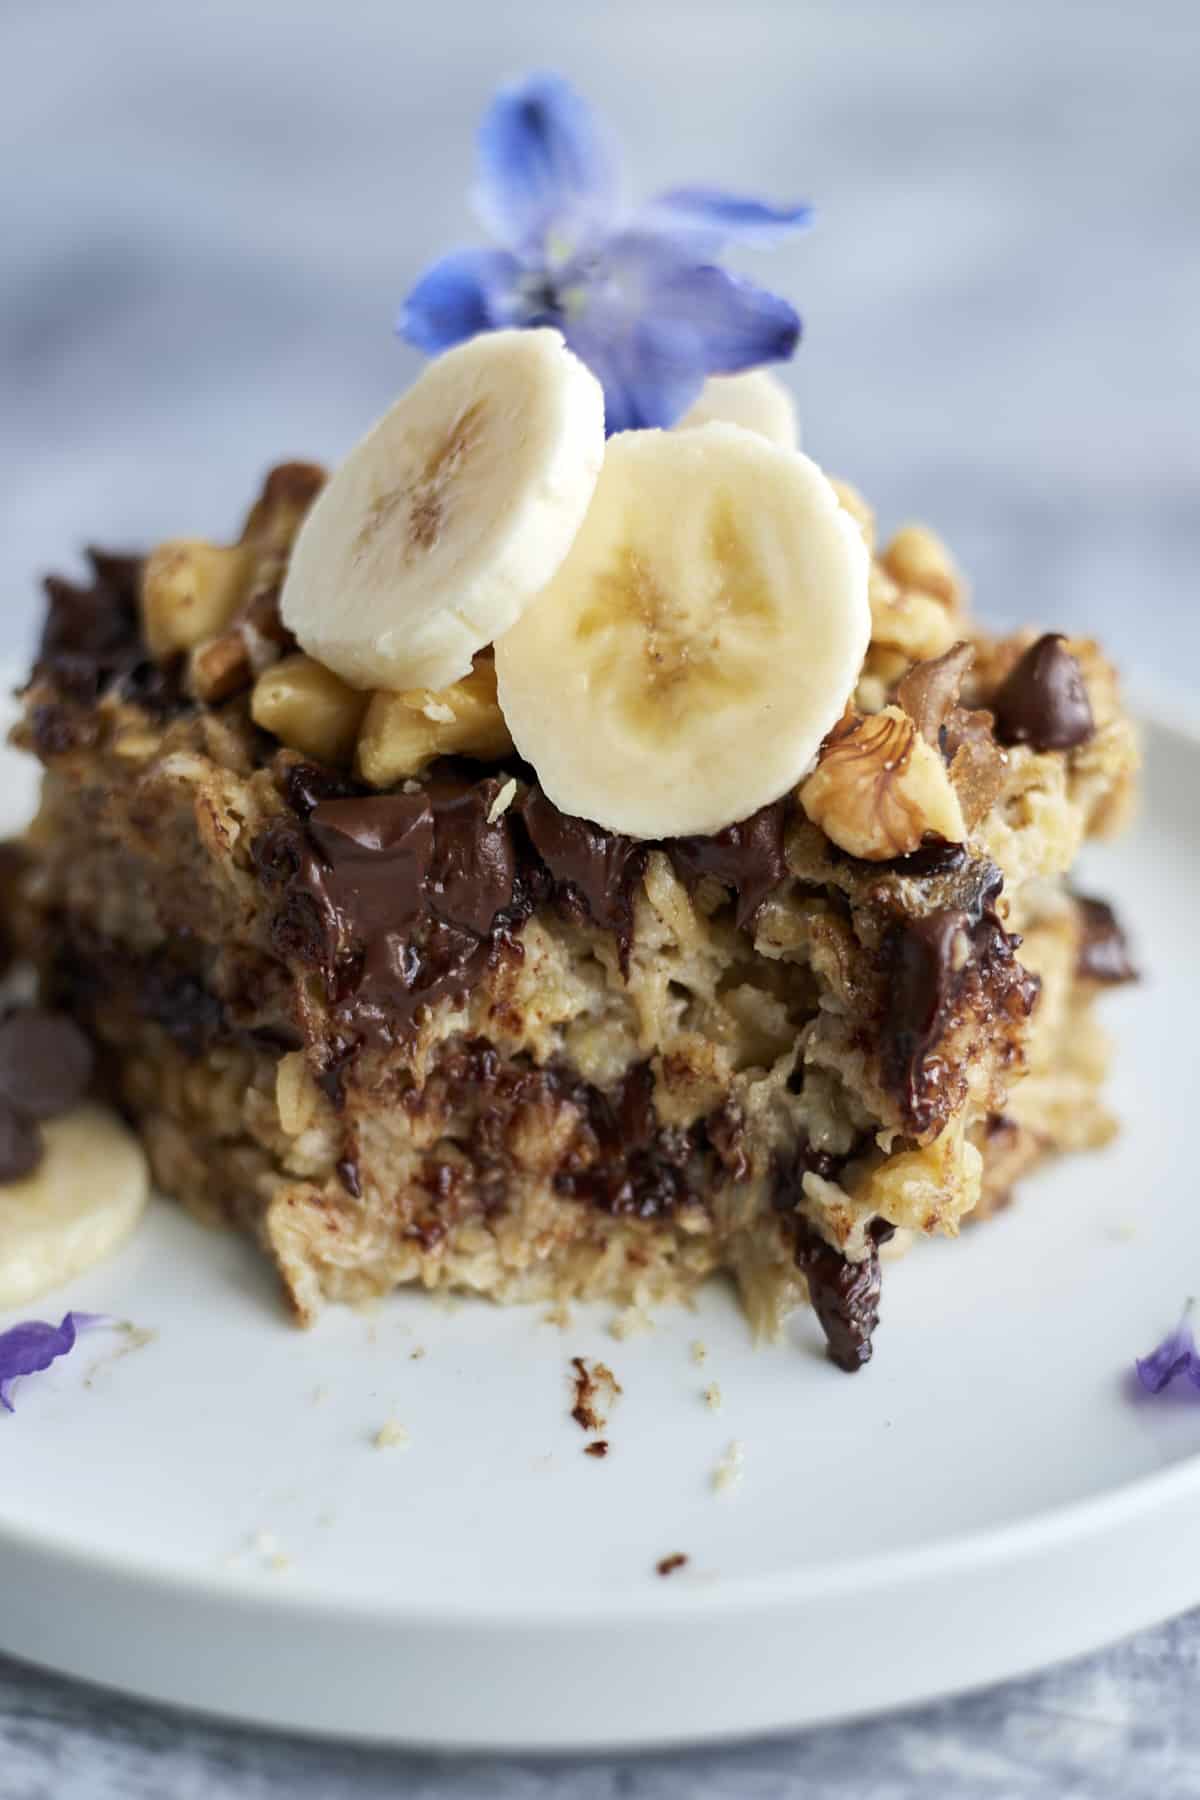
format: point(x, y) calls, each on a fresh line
point(917, 558)
point(879, 789)
point(907, 619)
point(402, 733)
point(929, 692)
point(246, 635)
point(189, 590)
point(929, 695)
point(309, 708)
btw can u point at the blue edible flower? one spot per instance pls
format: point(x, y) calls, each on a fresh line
point(1176, 1355)
point(29, 1348)
point(637, 296)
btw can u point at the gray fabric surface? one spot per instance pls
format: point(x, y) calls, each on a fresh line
point(209, 215)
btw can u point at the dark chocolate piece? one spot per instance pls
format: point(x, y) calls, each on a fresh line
point(596, 869)
point(936, 968)
point(473, 872)
point(1103, 948)
point(376, 854)
point(844, 1294)
point(396, 899)
point(46, 1062)
point(20, 1145)
point(747, 857)
point(1043, 702)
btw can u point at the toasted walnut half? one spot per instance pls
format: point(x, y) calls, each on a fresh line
point(402, 733)
point(308, 708)
point(879, 789)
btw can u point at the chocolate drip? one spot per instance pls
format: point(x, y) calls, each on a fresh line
point(747, 857)
point(1103, 948)
point(1044, 702)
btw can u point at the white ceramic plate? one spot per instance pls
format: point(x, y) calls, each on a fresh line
point(208, 1521)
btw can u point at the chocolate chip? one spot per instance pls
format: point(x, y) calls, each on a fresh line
point(1044, 702)
point(1103, 947)
point(20, 1145)
point(45, 1062)
point(747, 857)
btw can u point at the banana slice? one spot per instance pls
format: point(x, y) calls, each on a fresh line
point(450, 515)
point(754, 400)
point(79, 1205)
point(701, 637)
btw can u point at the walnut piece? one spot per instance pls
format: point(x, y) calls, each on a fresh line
point(309, 708)
point(917, 558)
point(929, 692)
point(189, 590)
point(250, 635)
point(879, 789)
point(403, 733)
point(929, 695)
point(907, 619)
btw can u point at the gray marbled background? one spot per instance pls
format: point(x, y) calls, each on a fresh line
point(208, 215)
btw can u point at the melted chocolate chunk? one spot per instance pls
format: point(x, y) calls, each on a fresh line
point(396, 899)
point(592, 869)
point(473, 873)
point(936, 968)
point(20, 1145)
point(46, 1063)
point(1103, 948)
point(747, 857)
point(844, 1294)
point(931, 859)
point(304, 785)
point(1044, 702)
point(376, 854)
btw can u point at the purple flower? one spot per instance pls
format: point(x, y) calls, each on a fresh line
point(29, 1348)
point(1176, 1355)
point(636, 295)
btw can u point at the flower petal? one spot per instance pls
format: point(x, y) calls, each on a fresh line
point(717, 322)
point(29, 1348)
point(546, 165)
point(1176, 1355)
point(466, 292)
point(643, 388)
point(705, 218)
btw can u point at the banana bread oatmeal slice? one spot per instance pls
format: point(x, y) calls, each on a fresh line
point(372, 998)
